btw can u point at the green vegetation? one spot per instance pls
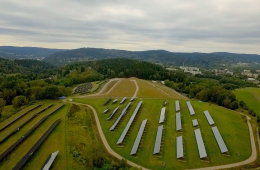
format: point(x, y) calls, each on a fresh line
point(85, 148)
point(233, 129)
point(251, 97)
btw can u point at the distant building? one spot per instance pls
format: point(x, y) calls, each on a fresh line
point(171, 69)
point(249, 74)
point(230, 73)
point(192, 70)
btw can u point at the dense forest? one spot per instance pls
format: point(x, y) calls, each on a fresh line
point(22, 66)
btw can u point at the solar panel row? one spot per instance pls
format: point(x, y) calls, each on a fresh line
point(138, 138)
point(177, 105)
point(107, 101)
point(112, 114)
point(105, 111)
point(190, 108)
point(50, 160)
point(178, 121)
point(158, 141)
point(120, 116)
point(219, 139)
point(115, 101)
point(122, 101)
point(132, 99)
point(179, 145)
point(209, 118)
point(122, 137)
point(200, 144)
point(162, 116)
point(195, 122)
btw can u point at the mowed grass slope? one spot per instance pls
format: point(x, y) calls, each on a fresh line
point(148, 89)
point(251, 96)
point(53, 143)
point(230, 124)
point(126, 88)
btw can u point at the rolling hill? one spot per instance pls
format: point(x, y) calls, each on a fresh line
point(155, 56)
point(11, 52)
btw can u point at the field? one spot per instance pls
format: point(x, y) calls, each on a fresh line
point(232, 127)
point(78, 141)
point(147, 89)
point(251, 96)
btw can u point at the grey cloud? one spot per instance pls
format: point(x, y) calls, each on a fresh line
point(217, 25)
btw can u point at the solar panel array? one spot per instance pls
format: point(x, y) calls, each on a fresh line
point(138, 138)
point(200, 144)
point(178, 121)
point(122, 137)
point(195, 122)
point(115, 101)
point(107, 101)
point(177, 105)
point(219, 139)
point(50, 161)
point(162, 116)
point(179, 145)
point(105, 111)
point(112, 114)
point(158, 141)
point(120, 116)
point(192, 112)
point(122, 101)
point(209, 118)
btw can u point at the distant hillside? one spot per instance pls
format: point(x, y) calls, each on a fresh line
point(25, 52)
point(155, 56)
point(24, 65)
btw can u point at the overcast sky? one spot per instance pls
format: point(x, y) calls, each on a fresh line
point(174, 25)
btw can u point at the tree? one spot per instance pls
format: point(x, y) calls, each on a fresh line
point(2, 105)
point(252, 112)
point(233, 105)
point(243, 105)
point(121, 74)
point(49, 92)
point(19, 101)
point(167, 83)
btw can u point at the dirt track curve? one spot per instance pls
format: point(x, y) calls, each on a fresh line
point(113, 153)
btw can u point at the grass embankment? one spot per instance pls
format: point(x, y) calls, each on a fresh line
point(232, 127)
point(9, 114)
point(251, 96)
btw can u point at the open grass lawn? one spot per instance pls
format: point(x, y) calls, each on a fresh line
point(56, 141)
point(125, 88)
point(149, 89)
point(109, 86)
point(230, 124)
point(251, 96)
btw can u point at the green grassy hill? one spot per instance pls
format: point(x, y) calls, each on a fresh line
point(251, 96)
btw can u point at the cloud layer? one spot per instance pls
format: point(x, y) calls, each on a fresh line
point(183, 26)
